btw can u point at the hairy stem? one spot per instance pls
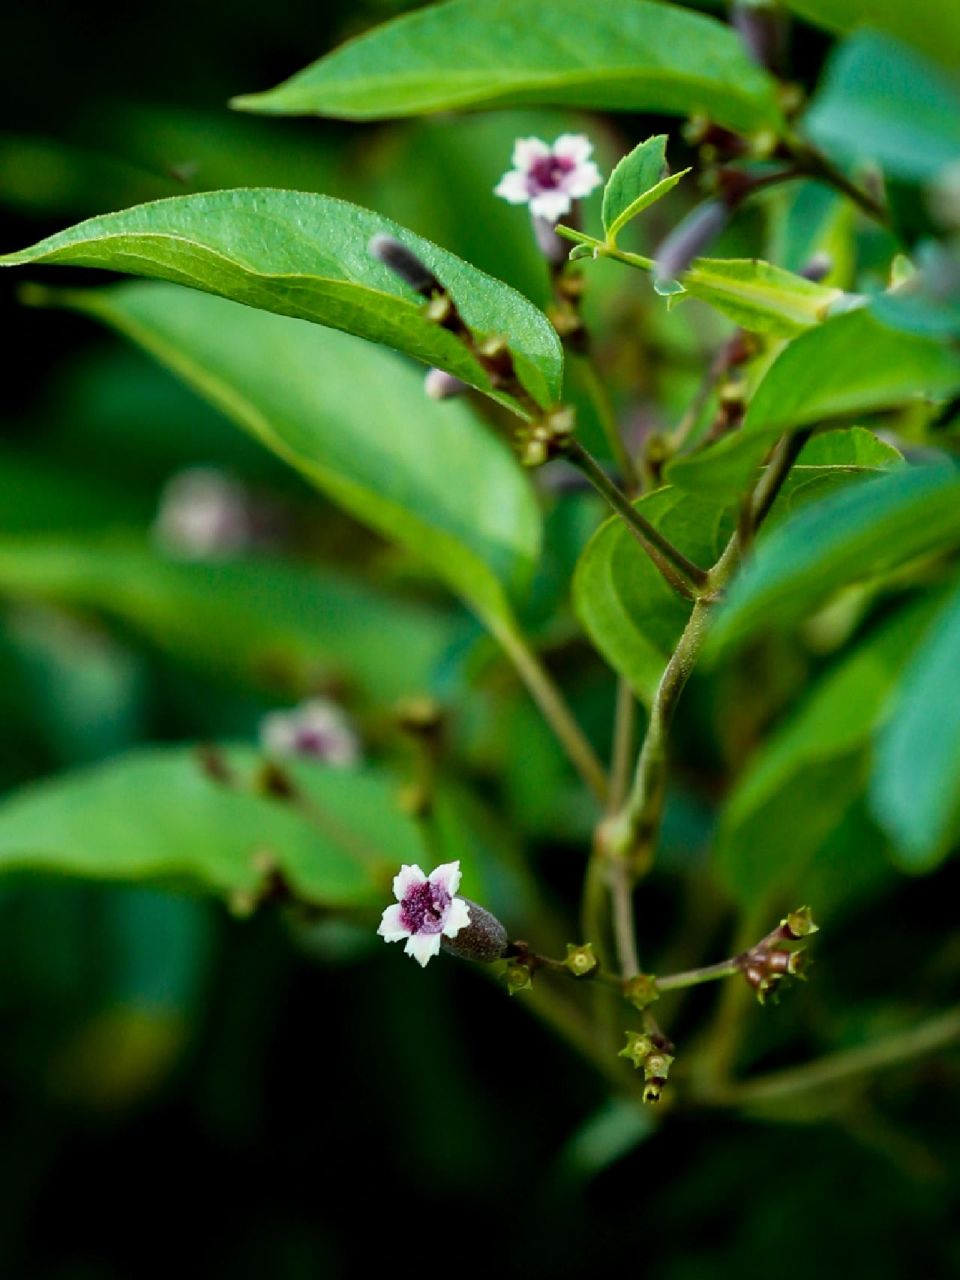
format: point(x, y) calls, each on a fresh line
point(679, 572)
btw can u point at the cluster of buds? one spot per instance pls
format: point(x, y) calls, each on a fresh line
point(770, 961)
point(653, 1055)
point(547, 437)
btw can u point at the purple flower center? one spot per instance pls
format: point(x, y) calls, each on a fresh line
point(314, 742)
point(424, 908)
point(547, 172)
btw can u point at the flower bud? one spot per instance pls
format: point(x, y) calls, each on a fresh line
point(440, 385)
point(638, 1048)
point(799, 924)
point(817, 267)
point(760, 26)
point(689, 239)
point(403, 262)
point(517, 976)
point(484, 939)
point(553, 247)
point(580, 960)
point(641, 990)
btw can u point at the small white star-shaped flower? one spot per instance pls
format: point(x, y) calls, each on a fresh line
point(317, 730)
point(549, 179)
point(426, 910)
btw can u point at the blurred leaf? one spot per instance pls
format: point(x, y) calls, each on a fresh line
point(37, 494)
point(308, 256)
point(630, 613)
point(269, 623)
point(357, 423)
point(930, 25)
point(155, 816)
point(882, 102)
point(759, 297)
point(806, 776)
point(866, 530)
point(915, 788)
point(636, 183)
point(611, 1133)
point(849, 365)
point(482, 53)
point(809, 219)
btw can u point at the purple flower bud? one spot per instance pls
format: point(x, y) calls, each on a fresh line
point(689, 239)
point(817, 267)
point(761, 28)
point(554, 249)
point(440, 385)
point(403, 262)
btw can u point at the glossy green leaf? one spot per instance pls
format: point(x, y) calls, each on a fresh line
point(271, 624)
point(804, 778)
point(852, 536)
point(851, 364)
point(308, 256)
point(627, 609)
point(882, 102)
point(636, 183)
point(156, 816)
point(639, 56)
point(915, 788)
point(356, 422)
point(760, 297)
point(933, 26)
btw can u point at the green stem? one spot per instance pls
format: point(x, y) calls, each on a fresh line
point(681, 574)
point(600, 399)
point(555, 711)
point(601, 249)
point(835, 1068)
point(705, 973)
point(813, 163)
point(624, 930)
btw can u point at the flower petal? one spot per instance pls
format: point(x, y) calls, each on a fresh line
point(573, 146)
point(581, 180)
point(526, 151)
point(550, 205)
point(423, 947)
point(446, 877)
point(392, 928)
point(406, 878)
point(457, 917)
point(512, 187)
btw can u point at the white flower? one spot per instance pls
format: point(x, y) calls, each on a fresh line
point(203, 515)
point(549, 179)
point(426, 910)
point(317, 729)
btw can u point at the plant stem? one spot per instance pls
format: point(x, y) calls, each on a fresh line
point(682, 574)
point(824, 1072)
point(705, 973)
point(600, 399)
point(624, 930)
point(603, 250)
point(555, 710)
point(812, 162)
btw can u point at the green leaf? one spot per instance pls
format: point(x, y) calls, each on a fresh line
point(915, 788)
point(308, 256)
point(270, 624)
point(639, 56)
point(627, 609)
point(155, 816)
point(867, 530)
point(851, 364)
point(929, 25)
point(760, 297)
point(356, 422)
point(636, 183)
point(802, 781)
point(882, 102)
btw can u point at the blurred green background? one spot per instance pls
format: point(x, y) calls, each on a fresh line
point(186, 1092)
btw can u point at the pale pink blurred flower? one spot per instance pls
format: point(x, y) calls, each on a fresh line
point(203, 515)
point(426, 910)
point(316, 730)
point(550, 178)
